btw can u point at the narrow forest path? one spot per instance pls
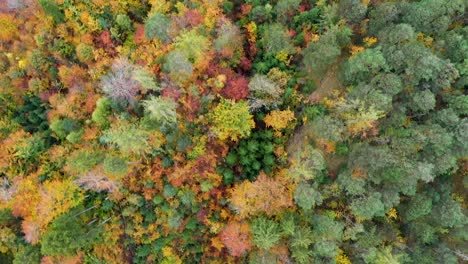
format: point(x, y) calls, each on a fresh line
point(303, 135)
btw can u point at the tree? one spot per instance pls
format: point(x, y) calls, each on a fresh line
point(119, 84)
point(264, 93)
point(157, 27)
point(66, 235)
point(320, 55)
point(264, 195)
point(382, 16)
point(363, 66)
point(236, 88)
point(193, 44)
point(279, 120)
point(231, 120)
point(307, 197)
point(306, 164)
point(286, 9)
point(161, 109)
point(275, 39)
point(128, 137)
point(369, 206)
point(236, 237)
point(229, 41)
point(352, 10)
point(265, 232)
point(52, 9)
point(422, 102)
point(28, 254)
point(178, 66)
point(433, 16)
point(102, 112)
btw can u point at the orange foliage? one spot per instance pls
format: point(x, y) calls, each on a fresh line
point(269, 195)
point(236, 237)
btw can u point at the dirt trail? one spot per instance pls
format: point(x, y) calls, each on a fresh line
point(326, 84)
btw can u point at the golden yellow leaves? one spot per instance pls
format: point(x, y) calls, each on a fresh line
point(8, 27)
point(278, 119)
point(252, 32)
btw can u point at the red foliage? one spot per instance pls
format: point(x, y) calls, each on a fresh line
point(236, 237)
point(193, 18)
point(106, 39)
point(139, 37)
point(236, 88)
point(245, 64)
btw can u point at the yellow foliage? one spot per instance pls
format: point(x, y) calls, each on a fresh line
point(252, 30)
point(8, 27)
point(232, 120)
point(370, 41)
point(278, 120)
point(392, 213)
point(356, 49)
point(426, 40)
point(341, 258)
point(283, 57)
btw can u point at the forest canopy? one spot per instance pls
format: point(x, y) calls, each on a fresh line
point(228, 131)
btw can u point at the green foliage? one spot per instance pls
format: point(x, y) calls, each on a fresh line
point(266, 233)
point(251, 156)
point(52, 9)
point(320, 55)
point(83, 161)
point(193, 44)
point(423, 102)
point(115, 165)
point(32, 116)
point(102, 112)
point(363, 66)
point(178, 66)
point(28, 254)
point(66, 235)
point(306, 164)
point(285, 9)
point(146, 80)
point(368, 206)
point(157, 27)
point(161, 110)
point(307, 197)
point(352, 10)
point(127, 137)
point(84, 52)
point(275, 39)
point(63, 127)
point(433, 16)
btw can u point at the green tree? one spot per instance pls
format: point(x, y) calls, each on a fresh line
point(161, 110)
point(66, 235)
point(368, 206)
point(363, 66)
point(275, 39)
point(266, 233)
point(157, 27)
point(127, 137)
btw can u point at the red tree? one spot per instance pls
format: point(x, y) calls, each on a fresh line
point(236, 88)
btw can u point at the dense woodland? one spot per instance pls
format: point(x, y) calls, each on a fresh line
point(228, 131)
